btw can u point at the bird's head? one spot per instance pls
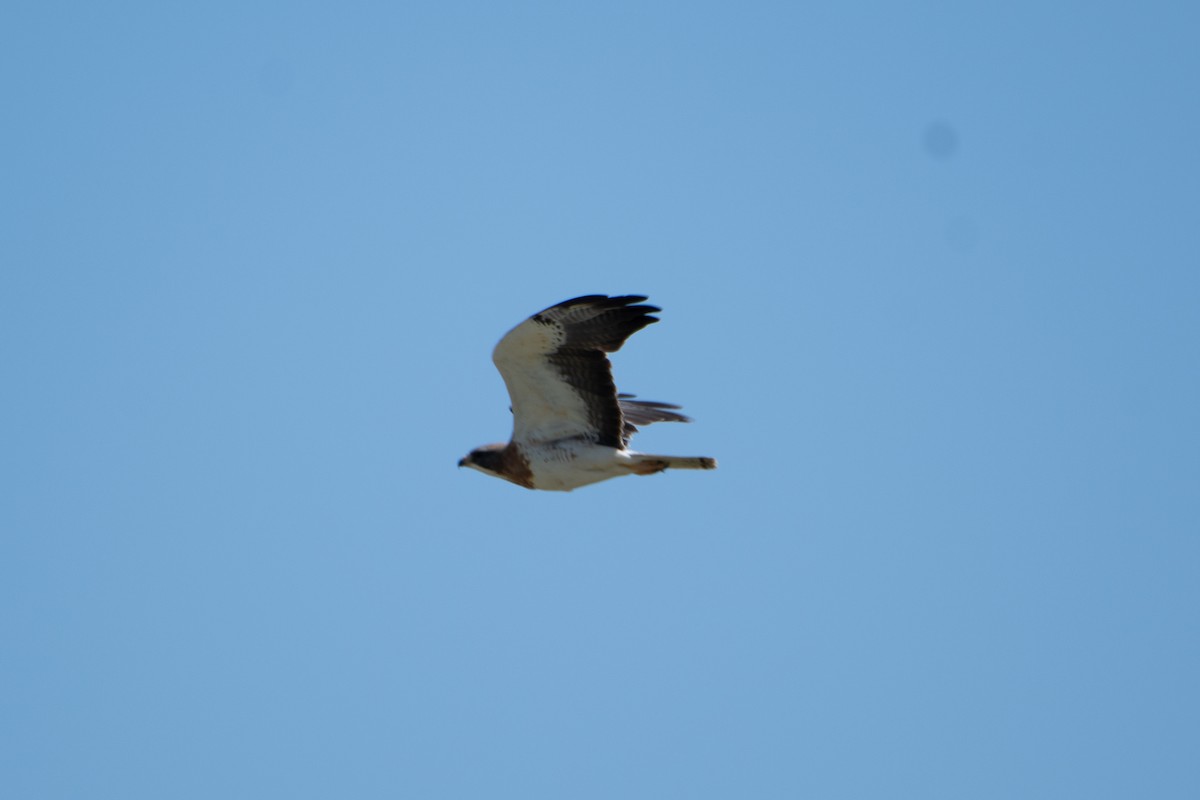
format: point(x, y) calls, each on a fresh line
point(485, 458)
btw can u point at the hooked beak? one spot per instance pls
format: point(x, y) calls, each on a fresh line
point(462, 462)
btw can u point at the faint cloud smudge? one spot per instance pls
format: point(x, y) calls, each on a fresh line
point(940, 139)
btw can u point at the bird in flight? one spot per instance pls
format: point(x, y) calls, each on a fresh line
point(570, 426)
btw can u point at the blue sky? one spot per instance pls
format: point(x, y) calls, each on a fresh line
point(930, 291)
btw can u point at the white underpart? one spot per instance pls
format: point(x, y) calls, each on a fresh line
point(567, 465)
point(545, 407)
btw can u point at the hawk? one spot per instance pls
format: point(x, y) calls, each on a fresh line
point(570, 426)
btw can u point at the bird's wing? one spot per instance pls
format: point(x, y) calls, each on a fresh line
point(558, 376)
point(644, 412)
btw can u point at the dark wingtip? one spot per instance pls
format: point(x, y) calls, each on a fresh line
point(584, 298)
point(616, 301)
point(632, 299)
point(616, 318)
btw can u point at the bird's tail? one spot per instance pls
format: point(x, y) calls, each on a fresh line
point(648, 465)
